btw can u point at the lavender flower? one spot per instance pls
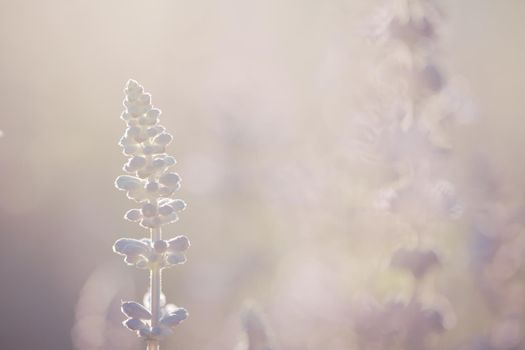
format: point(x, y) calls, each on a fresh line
point(152, 185)
point(407, 136)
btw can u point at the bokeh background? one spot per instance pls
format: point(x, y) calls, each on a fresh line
point(260, 96)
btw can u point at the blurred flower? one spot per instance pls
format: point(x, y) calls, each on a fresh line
point(405, 133)
point(255, 330)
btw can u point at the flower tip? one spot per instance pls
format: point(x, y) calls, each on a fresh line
point(132, 83)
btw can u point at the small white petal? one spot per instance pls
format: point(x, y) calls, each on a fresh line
point(163, 139)
point(135, 310)
point(178, 205)
point(130, 247)
point(174, 318)
point(170, 180)
point(179, 244)
point(133, 215)
point(125, 182)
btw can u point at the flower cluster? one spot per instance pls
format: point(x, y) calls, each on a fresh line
point(152, 185)
point(138, 316)
point(143, 253)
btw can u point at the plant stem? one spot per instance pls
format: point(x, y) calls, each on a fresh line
point(155, 286)
point(152, 345)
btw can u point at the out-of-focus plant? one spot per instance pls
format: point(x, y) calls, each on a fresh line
point(497, 250)
point(404, 134)
point(255, 335)
point(152, 185)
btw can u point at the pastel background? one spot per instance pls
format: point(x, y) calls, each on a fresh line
point(260, 97)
